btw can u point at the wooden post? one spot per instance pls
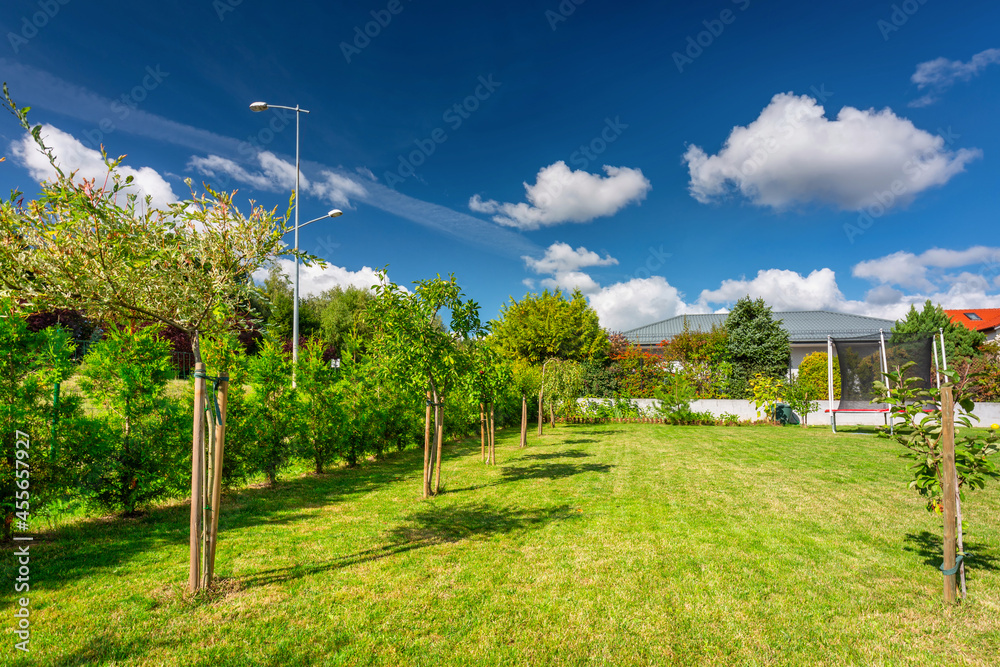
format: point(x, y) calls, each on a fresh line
point(948, 488)
point(524, 420)
point(493, 437)
point(220, 442)
point(427, 447)
point(482, 432)
point(197, 480)
point(440, 442)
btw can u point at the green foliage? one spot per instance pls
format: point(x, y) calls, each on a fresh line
point(959, 342)
point(675, 398)
point(224, 355)
point(272, 410)
point(917, 419)
point(704, 358)
point(562, 385)
point(813, 374)
point(799, 397)
point(324, 425)
point(600, 381)
point(638, 372)
point(548, 325)
point(139, 456)
point(342, 323)
point(757, 344)
point(767, 393)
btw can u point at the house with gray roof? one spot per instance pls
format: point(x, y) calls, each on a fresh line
point(807, 330)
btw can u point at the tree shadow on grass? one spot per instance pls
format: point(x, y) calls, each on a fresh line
point(930, 547)
point(430, 525)
point(551, 470)
point(567, 454)
point(106, 648)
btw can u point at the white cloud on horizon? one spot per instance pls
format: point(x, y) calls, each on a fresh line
point(793, 155)
point(317, 279)
point(560, 195)
point(73, 156)
point(940, 74)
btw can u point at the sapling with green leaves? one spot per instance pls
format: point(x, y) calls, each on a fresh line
point(325, 423)
point(273, 410)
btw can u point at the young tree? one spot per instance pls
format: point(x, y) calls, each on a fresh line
point(418, 354)
point(491, 377)
point(325, 420)
point(97, 248)
point(526, 380)
point(272, 408)
point(757, 343)
point(959, 342)
point(563, 384)
point(547, 325)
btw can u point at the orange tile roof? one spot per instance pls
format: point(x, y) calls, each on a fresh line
point(989, 318)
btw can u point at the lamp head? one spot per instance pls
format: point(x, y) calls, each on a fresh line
point(335, 213)
point(258, 106)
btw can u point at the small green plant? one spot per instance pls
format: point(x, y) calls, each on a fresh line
point(729, 419)
point(767, 392)
point(799, 396)
point(917, 421)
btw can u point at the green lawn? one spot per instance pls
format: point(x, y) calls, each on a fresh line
point(605, 544)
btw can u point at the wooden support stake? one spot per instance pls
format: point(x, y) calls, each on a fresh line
point(948, 488)
point(482, 432)
point(524, 420)
point(220, 442)
point(197, 481)
point(427, 447)
point(440, 442)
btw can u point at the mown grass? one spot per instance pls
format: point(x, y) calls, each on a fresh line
point(603, 544)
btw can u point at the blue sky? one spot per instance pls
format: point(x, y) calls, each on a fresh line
point(663, 157)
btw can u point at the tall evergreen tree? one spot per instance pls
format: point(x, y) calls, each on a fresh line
point(959, 342)
point(757, 343)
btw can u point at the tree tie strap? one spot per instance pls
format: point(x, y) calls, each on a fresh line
point(216, 381)
point(954, 570)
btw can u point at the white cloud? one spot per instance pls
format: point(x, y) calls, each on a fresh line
point(338, 189)
point(640, 301)
point(905, 269)
point(940, 74)
point(73, 156)
point(792, 154)
point(560, 257)
point(316, 279)
point(560, 195)
point(571, 280)
point(782, 290)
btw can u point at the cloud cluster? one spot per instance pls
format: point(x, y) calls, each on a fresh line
point(561, 195)
point(940, 74)
point(953, 278)
point(793, 154)
point(73, 156)
point(316, 279)
point(277, 175)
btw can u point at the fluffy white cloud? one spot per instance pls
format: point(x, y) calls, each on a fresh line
point(73, 156)
point(640, 301)
point(561, 257)
point(277, 175)
point(560, 195)
point(939, 74)
point(792, 154)
point(316, 279)
point(905, 269)
point(782, 290)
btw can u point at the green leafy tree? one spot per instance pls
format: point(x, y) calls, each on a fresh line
point(491, 377)
point(526, 380)
point(704, 358)
point(325, 422)
point(30, 365)
point(272, 409)
point(417, 354)
point(756, 342)
point(813, 375)
point(959, 342)
point(140, 458)
point(562, 386)
point(548, 325)
point(342, 323)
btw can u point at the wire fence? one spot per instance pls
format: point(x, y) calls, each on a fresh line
point(182, 361)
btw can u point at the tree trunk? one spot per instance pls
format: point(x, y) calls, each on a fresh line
point(482, 432)
point(493, 436)
point(540, 412)
point(440, 442)
point(524, 420)
point(552, 415)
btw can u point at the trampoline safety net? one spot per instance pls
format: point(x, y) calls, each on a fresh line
point(860, 362)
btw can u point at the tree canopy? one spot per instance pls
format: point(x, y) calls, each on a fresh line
point(757, 342)
point(547, 325)
point(959, 342)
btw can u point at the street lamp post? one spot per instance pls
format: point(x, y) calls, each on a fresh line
point(264, 106)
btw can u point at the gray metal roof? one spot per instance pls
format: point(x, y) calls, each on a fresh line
point(812, 326)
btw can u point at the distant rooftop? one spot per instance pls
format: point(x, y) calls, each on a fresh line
point(812, 326)
point(977, 319)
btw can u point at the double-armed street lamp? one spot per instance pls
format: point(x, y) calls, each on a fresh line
point(263, 106)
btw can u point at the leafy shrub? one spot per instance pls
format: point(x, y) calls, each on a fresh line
point(271, 410)
point(813, 373)
point(138, 457)
point(767, 392)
